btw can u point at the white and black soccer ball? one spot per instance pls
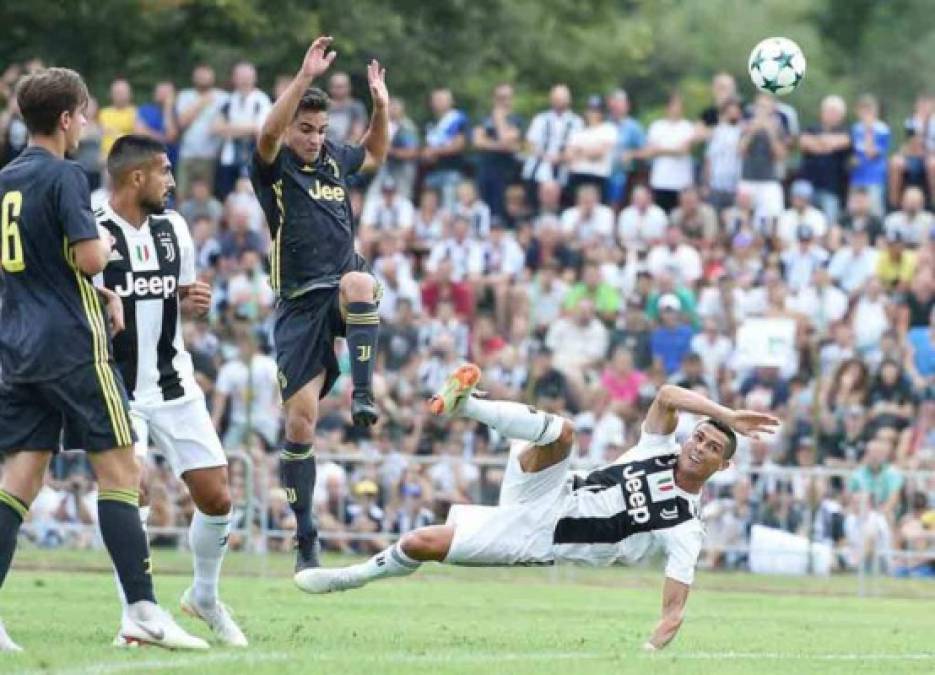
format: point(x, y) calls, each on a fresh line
point(776, 65)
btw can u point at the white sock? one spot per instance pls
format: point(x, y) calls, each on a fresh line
point(514, 420)
point(391, 562)
point(144, 516)
point(207, 538)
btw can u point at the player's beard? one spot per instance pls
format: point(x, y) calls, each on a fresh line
point(154, 207)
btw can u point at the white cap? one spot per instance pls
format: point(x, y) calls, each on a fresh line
point(670, 301)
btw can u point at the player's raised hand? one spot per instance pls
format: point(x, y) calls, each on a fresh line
point(752, 423)
point(317, 61)
point(376, 78)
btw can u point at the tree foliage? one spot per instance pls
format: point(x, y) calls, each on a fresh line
point(647, 46)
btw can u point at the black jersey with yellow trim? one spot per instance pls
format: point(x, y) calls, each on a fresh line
point(308, 210)
point(51, 320)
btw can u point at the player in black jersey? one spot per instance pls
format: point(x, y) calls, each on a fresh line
point(55, 353)
point(648, 498)
point(323, 287)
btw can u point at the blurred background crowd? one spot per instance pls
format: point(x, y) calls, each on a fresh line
point(769, 257)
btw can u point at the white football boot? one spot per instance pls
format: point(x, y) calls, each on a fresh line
point(6, 643)
point(146, 623)
point(328, 579)
point(218, 618)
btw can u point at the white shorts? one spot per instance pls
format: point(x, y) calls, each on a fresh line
point(182, 431)
point(768, 200)
point(520, 530)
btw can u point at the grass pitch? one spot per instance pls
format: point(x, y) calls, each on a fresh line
point(490, 621)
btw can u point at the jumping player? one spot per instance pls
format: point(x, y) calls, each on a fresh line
point(55, 352)
point(323, 288)
point(647, 499)
point(152, 270)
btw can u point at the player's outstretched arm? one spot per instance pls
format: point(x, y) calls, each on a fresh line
point(377, 139)
point(316, 63)
point(674, 597)
point(662, 417)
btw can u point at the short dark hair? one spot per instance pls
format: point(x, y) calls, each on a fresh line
point(313, 100)
point(46, 94)
point(129, 152)
point(725, 429)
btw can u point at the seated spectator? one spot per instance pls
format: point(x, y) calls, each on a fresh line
point(398, 340)
point(471, 208)
point(666, 284)
point(201, 203)
point(891, 401)
point(911, 166)
point(454, 479)
point(849, 385)
point(428, 224)
point(620, 379)
point(821, 302)
point(800, 261)
point(549, 195)
point(915, 536)
point(673, 257)
point(871, 319)
point(548, 246)
point(248, 291)
point(590, 150)
point(768, 380)
point(691, 375)
point(550, 389)
point(920, 354)
point(589, 223)
point(697, 220)
point(440, 286)
point(365, 517)
point(875, 488)
point(545, 295)
point(635, 334)
point(919, 300)
point(825, 152)
point(714, 347)
point(870, 138)
point(912, 221)
point(746, 256)
point(671, 340)
point(605, 297)
point(446, 323)
point(642, 224)
point(740, 216)
point(388, 211)
point(860, 215)
point(801, 213)
point(855, 263)
point(578, 342)
point(844, 445)
point(895, 265)
point(463, 252)
point(239, 237)
point(442, 360)
point(504, 262)
point(398, 286)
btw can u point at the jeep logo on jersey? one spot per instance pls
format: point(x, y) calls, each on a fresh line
point(147, 286)
point(633, 494)
point(325, 192)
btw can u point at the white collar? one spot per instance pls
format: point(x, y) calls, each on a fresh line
point(123, 223)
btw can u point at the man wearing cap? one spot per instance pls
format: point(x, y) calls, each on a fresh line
point(675, 257)
point(364, 516)
point(860, 215)
point(672, 339)
point(388, 211)
point(799, 262)
point(642, 224)
point(590, 151)
point(801, 213)
point(854, 263)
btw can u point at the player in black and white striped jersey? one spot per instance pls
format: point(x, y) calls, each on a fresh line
point(647, 499)
point(152, 268)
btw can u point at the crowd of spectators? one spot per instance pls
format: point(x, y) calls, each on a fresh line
point(582, 257)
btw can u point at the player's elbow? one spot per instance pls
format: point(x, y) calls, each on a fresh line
point(666, 395)
point(90, 257)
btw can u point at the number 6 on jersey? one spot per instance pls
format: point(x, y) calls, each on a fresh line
point(11, 253)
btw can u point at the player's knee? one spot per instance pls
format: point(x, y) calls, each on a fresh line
point(300, 422)
point(216, 503)
point(422, 544)
point(357, 287)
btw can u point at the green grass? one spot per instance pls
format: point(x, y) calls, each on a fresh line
point(489, 621)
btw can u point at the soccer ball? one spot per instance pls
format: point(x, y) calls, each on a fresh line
point(777, 65)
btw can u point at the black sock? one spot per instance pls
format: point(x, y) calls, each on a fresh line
point(118, 513)
point(363, 322)
point(12, 511)
point(297, 475)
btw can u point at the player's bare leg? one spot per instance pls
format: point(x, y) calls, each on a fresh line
point(359, 307)
point(297, 468)
point(207, 537)
point(550, 441)
point(118, 478)
point(23, 473)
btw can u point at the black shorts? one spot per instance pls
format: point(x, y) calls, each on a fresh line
point(305, 330)
point(91, 402)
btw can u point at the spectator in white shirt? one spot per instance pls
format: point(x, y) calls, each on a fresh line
point(398, 284)
point(197, 109)
point(238, 123)
point(677, 259)
point(800, 261)
point(801, 213)
point(668, 145)
point(821, 302)
point(504, 260)
point(465, 253)
point(912, 221)
point(855, 263)
point(388, 211)
point(545, 295)
point(590, 151)
point(547, 138)
point(578, 343)
point(713, 347)
point(589, 223)
point(642, 224)
point(870, 320)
